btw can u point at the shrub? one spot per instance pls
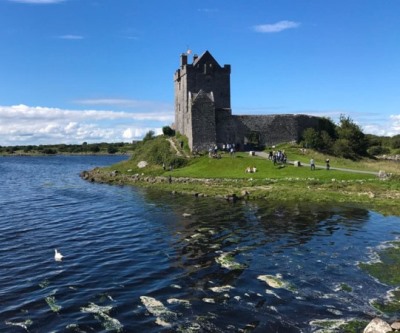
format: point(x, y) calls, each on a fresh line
point(168, 131)
point(378, 150)
point(112, 149)
point(149, 136)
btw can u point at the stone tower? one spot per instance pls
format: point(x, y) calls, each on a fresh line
point(202, 89)
point(203, 111)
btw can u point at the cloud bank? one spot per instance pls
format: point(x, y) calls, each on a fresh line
point(276, 27)
point(22, 125)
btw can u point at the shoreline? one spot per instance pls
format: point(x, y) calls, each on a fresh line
point(370, 194)
point(65, 154)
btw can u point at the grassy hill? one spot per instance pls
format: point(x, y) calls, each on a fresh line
point(226, 176)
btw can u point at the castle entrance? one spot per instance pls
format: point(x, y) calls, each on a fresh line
point(252, 141)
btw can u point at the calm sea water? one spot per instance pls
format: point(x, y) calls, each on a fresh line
point(134, 263)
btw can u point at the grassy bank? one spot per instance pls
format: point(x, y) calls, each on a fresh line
point(226, 177)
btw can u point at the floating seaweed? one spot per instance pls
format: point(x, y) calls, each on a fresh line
point(101, 313)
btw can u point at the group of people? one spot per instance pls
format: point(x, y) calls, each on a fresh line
point(277, 156)
point(228, 148)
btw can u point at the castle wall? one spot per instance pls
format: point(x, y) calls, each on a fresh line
point(203, 110)
point(203, 123)
point(272, 129)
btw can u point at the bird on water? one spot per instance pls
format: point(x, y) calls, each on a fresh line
point(57, 255)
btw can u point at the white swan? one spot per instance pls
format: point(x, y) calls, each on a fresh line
point(57, 255)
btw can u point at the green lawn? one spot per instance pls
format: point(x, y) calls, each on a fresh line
point(234, 167)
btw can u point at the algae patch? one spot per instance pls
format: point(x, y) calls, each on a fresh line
point(275, 281)
point(227, 261)
point(387, 269)
point(101, 313)
point(164, 317)
point(51, 302)
point(183, 302)
point(23, 324)
point(221, 289)
point(348, 326)
point(391, 304)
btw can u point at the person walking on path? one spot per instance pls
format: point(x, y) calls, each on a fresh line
point(327, 164)
point(312, 164)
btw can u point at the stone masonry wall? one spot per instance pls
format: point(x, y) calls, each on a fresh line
point(272, 129)
point(203, 110)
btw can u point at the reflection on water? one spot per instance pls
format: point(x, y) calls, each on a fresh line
point(141, 261)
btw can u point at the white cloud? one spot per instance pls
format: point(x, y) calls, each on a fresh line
point(138, 133)
point(121, 102)
point(71, 37)
point(276, 27)
point(38, 2)
point(22, 124)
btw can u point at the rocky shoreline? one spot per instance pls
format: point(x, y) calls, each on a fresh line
point(389, 157)
point(378, 325)
point(96, 175)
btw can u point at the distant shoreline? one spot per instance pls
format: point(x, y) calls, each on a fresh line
point(64, 154)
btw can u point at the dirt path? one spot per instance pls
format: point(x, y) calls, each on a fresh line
point(178, 152)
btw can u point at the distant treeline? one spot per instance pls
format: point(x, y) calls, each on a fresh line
point(84, 148)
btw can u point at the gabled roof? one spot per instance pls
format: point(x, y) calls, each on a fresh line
point(206, 58)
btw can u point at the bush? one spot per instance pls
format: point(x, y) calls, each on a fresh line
point(49, 151)
point(149, 136)
point(168, 131)
point(112, 149)
point(395, 142)
point(378, 150)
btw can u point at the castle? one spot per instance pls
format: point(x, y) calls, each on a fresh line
point(203, 110)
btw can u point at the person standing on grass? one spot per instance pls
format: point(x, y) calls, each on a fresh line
point(312, 164)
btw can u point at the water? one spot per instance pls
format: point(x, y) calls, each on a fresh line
point(134, 263)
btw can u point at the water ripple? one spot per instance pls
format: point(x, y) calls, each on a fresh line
point(121, 244)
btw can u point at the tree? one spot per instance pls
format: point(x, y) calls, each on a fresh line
point(395, 142)
point(149, 135)
point(168, 131)
point(342, 148)
point(111, 149)
point(311, 138)
point(326, 141)
point(351, 133)
point(94, 148)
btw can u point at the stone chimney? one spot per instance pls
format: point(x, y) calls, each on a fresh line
point(195, 56)
point(183, 59)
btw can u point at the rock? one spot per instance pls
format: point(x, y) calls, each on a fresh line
point(382, 174)
point(232, 197)
point(142, 164)
point(396, 325)
point(378, 325)
point(186, 215)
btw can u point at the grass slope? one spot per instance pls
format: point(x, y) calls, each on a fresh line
point(272, 182)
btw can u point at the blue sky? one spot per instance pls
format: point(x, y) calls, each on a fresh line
point(101, 70)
